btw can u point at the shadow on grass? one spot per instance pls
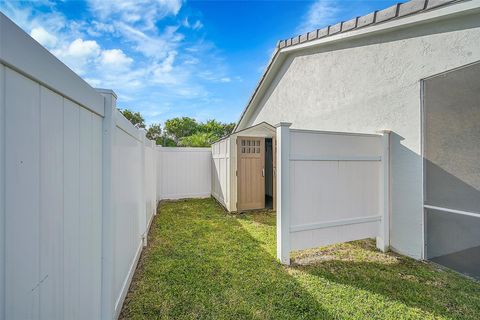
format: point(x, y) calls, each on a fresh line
point(265, 217)
point(204, 264)
point(415, 284)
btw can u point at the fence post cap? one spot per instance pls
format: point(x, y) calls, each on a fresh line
point(384, 131)
point(283, 124)
point(106, 91)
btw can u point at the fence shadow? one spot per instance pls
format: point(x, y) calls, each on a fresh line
point(202, 263)
point(398, 278)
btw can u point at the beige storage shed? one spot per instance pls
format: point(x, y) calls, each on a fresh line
point(243, 169)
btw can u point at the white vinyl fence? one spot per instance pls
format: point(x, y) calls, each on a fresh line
point(332, 187)
point(221, 171)
point(132, 202)
point(185, 172)
point(78, 188)
point(151, 179)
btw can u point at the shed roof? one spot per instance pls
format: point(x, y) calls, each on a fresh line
point(342, 29)
point(259, 127)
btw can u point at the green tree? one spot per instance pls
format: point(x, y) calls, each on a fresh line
point(166, 141)
point(154, 133)
point(216, 128)
point(178, 128)
point(199, 139)
point(134, 117)
point(228, 128)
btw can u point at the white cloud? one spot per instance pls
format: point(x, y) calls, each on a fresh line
point(115, 59)
point(126, 47)
point(154, 46)
point(78, 54)
point(143, 13)
point(96, 29)
point(83, 49)
point(44, 37)
point(196, 26)
point(320, 14)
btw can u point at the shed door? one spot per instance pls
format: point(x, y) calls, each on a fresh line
point(250, 173)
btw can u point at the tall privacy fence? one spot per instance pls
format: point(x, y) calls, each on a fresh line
point(186, 172)
point(332, 187)
point(78, 188)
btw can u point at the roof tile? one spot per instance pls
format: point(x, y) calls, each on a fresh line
point(303, 37)
point(349, 25)
point(386, 14)
point(336, 28)
point(312, 35)
point(435, 3)
point(322, 32)
point(365, 20)
point(411, 7)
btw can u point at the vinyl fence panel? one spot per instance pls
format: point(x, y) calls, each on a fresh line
point(53, 203)
point(74, 189)
point(128, 203)
point(79, 186)
point(150, 180)
point(332, 189)
point(221, 171)
point(184, 172)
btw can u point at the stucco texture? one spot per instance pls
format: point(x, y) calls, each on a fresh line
point(373, 83)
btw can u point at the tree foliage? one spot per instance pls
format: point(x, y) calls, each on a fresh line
point(154, 133)
point(178, 128)
point(199, 139)
point(216, 128)
point(134, 117)
point(181, 131)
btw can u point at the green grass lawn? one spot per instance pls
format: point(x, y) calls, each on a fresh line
point(203, 263)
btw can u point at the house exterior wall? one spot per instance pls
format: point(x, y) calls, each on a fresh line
point(372, 83)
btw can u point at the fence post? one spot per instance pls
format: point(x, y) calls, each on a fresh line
point(383, 240)
point(108, 219)
point(283, 192)
point(2, 192)
point(159, 172)
point(143, 194)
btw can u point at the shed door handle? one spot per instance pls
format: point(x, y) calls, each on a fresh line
point(263, 172)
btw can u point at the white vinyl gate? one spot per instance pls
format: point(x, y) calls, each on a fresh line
point(332, 187)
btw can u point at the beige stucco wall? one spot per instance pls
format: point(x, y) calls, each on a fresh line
point(368, 84)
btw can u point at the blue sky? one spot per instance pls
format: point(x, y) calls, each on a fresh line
point(169, 58)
